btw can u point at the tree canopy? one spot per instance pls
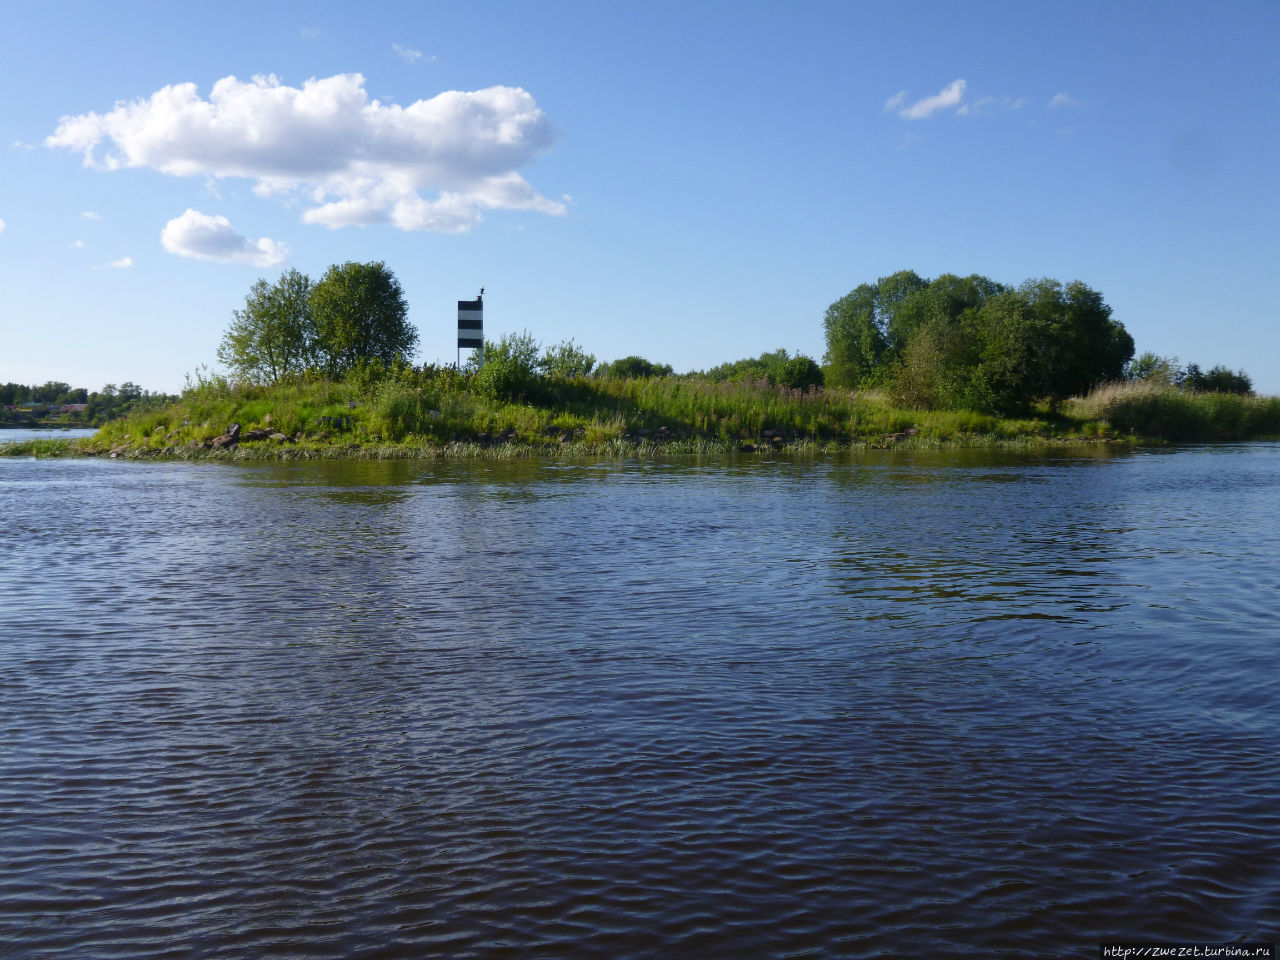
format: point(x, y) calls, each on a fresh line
point(360, 314)
point(777, 367)
point(973, 342)
point(274, 335)
point(355, 314)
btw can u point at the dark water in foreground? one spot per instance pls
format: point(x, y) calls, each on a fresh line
point(885, 705)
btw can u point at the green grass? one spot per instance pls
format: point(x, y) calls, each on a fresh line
point(433, 413)
point(1167, 413)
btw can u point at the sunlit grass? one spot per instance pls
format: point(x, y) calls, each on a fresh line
point(432, 413)
point(1167, 412)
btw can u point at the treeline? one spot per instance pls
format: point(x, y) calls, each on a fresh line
point(974, 343)
point(1168, 371)
point(22, 403)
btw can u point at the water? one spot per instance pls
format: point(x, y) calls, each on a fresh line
point(973, 704)
point(10, 434)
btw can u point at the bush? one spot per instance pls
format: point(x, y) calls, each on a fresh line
point(1218, 380)
point(510, 369)
point(567, 361)
point(636, 368)
point(800, 373)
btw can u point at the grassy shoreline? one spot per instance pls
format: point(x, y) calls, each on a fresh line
point(619, 449)
point(421, 416)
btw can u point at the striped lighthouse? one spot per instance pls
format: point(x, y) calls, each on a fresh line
point(471, 324)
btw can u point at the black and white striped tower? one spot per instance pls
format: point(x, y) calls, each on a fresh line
point(471, 324)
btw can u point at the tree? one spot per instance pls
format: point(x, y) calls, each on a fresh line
point(1083, 346)
point(972, 342)
point(1155, 369)
point(510, 368)
point(1219, 379)
point(566, 361)
point(768, 366)
point(274, 335)
point(800, 373)
point(360, 314)
point(635, 368)
point(855, 342)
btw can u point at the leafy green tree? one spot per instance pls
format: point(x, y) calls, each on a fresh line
point(51, 391)
point(360, 314)
point(767, 366)
point(635, 368)
point(1155, 369)
point(855, 341)
point(566, 361)
point(899, 310)
point(1012, 353)
point(274, 335)
point(510, 368)
point(972, 342)
point(800, 373)
point(1082, 346)
point(1218, 380)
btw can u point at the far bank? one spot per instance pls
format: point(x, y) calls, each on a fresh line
point(434, 413)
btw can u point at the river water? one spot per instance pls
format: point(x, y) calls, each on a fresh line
point(880, 704)
point(11, 434)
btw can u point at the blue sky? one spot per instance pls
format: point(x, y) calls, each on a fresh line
point(694, 183)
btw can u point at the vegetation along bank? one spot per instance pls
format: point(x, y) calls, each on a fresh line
point(323, 370)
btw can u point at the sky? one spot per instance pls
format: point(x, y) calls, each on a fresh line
point(692, 182)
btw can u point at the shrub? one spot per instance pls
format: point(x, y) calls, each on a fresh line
point(567, 361)
point(636, 368)
point(800, 373)
point(510, 369)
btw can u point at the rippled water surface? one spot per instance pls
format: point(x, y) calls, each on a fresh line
point(878, 705)
point(10, 434)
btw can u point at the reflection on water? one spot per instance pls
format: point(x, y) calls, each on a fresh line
point(880, 704)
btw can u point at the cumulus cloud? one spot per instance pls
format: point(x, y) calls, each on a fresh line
point(949, 96)
point(355, 160)
point(2, 225)
point(1063, 100)
point(198, 235)
point(90, 215)
point(406, 54)
point(123, 263)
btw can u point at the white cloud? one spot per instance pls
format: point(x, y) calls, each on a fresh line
point(90, 215)
point(895, 102)
point(984, 106)
point(78, 244)
point(22, 145)
point(406, 54)
point(122, 263)
point(949, 96)
point(2, 226)
point(1063, 100)
point(204, 237)
point(309, 33)
point(358, 161)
